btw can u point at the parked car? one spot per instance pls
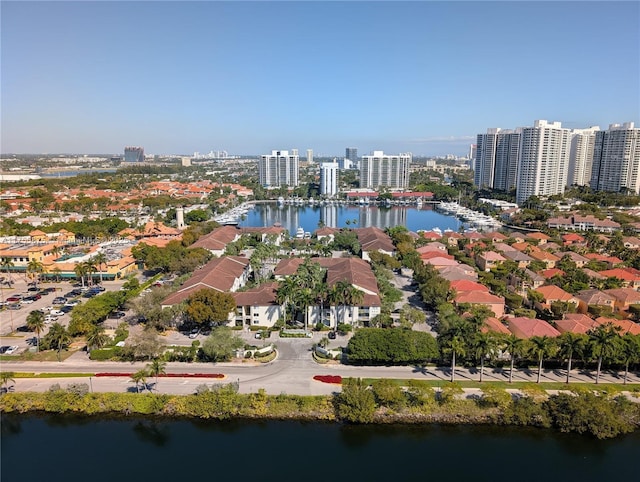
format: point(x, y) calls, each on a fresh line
point(14, 306)
point(50, 319)
point(332, 335)
point(72, 303)
point(32, 288)
point(28, 300)
point(8, 350)
point(66, 308)
point(116, 315)
point(14, 299)
point(56, 313)
point(59, 300)
point(194, 333)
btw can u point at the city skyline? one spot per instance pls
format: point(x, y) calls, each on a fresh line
point(250, 77)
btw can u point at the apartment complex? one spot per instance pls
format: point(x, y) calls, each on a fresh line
point(616, 159)
point(379, 169)
point(329, 179)
point(496, 159)
point(134, 154)
point(278, 169)
point(543, 159)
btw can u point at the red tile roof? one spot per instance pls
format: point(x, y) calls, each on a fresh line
point(524, 327)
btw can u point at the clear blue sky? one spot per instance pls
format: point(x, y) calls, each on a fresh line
point(248, 77)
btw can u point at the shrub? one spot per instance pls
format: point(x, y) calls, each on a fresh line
point(356, 403)
point(526, 411)
point(103, 354)
point(381, 346)
point(388, 394)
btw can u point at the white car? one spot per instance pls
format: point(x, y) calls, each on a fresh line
point(56, 313)
point(11, 350)
point(50, 319)
point(27, 301)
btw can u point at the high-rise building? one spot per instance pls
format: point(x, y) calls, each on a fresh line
point(544, 160)
point(581, 156)
point(309, 156)
point(496, 160)
point(351, 153)
point(294, 152)
point(616, 159)
point(329, 179)
point(380, 169)
point(278, 169)
point(134, 154)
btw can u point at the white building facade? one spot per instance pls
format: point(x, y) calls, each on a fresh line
point(380, 169)
point(544, 160)
point(496, 160)
point(279, 169)
point(581, 156)
point(329, 179)
point(616, 159)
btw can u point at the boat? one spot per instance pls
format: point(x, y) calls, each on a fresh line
point(300, 233)
point(280, 201)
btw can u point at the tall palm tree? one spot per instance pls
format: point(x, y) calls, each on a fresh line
point(603, 343)
point(630, 352)
point(34, 269)
point(455, 346)
point(56, 272)
point(285, 294)
point(571, 344)
point(156, 368)
point(541, 347)
point(484, 345)
point(139, 377)
point(91, 269)
point(338, 296)
point(7, 264)
point(35, 322)
point(96, 338)
point(100, 259)
point(80, 269)
point(515, 347)
point(6, 378)
point(60, 338)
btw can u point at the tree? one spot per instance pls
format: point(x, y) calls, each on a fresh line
point(603, 343)
point(484, 346)
point(156, 368)
point(7, 264)
point(59, 338)
point(210, 307)
point(140, 377)
point(143, 346)
point(385, 346)
point(541, 347)
point(285, 294)
point(6, 378)
point(515, 347)
point(410, 315)
point(455, 346)
point(96, 338)
point(100, 259)
point(80, 270)
point(35, 322)
point(34, 269)
point(571, 344)
point(629, 351)
point(219, 346)
point(356, 403)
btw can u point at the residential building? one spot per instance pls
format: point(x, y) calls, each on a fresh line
point(616, 159)
point(593, 297)
point(329, 179)
point(351, 153)
point(133, 154)
point(257, 306)
point(544, 160)
point(278, 169)
point(523, 327)
point(581, 156)
point(380, 169)
point(309, 156)
point(496, 160)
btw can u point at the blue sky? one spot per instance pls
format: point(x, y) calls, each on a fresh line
point(247, 77)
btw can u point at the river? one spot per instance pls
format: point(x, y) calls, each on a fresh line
point(340, 215)
point(68, 449)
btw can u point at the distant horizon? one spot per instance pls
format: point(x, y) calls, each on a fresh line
point(418, 76)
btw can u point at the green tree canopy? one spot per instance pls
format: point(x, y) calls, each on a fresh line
point(219, 346)
point(209, 307)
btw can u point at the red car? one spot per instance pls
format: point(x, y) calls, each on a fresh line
point(13, 299)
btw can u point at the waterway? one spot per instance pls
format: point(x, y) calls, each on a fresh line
point(341, 215)
point(75, 172)
point(68, 449)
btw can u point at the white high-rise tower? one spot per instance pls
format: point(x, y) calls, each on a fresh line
point(278, 169)
point(329, 179)
point(380, 169)
point(616, 159)
point(581, 156)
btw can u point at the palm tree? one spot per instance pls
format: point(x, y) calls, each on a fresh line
point(60, 338)
point(484, 345)
point(155, 368)
point(139, 377)
point(456, 346)
point(338, 296)
point(35, 322)
point(80, 270)
point(7, 264)
point(96, 338)
point(34, 268)
point(630, 352)
point(285, 293)
point(571, 344)
point(91, 268)
point(603, 342)
point(5, 378)
point(541, 347)
point(515, 347)
point(56, 272)
point(100, 259)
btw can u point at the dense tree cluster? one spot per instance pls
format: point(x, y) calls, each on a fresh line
point(382, 346)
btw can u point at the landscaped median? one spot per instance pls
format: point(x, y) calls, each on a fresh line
point(166, 375)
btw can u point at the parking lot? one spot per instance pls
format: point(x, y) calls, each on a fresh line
point(54, 299)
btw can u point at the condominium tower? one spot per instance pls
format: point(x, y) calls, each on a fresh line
point(134, 154)
point(581, 156)
point(616, 159)
point(380, 169)
point(544, 160)
point(278, 169)
point(329, 179)
point(496, 159)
